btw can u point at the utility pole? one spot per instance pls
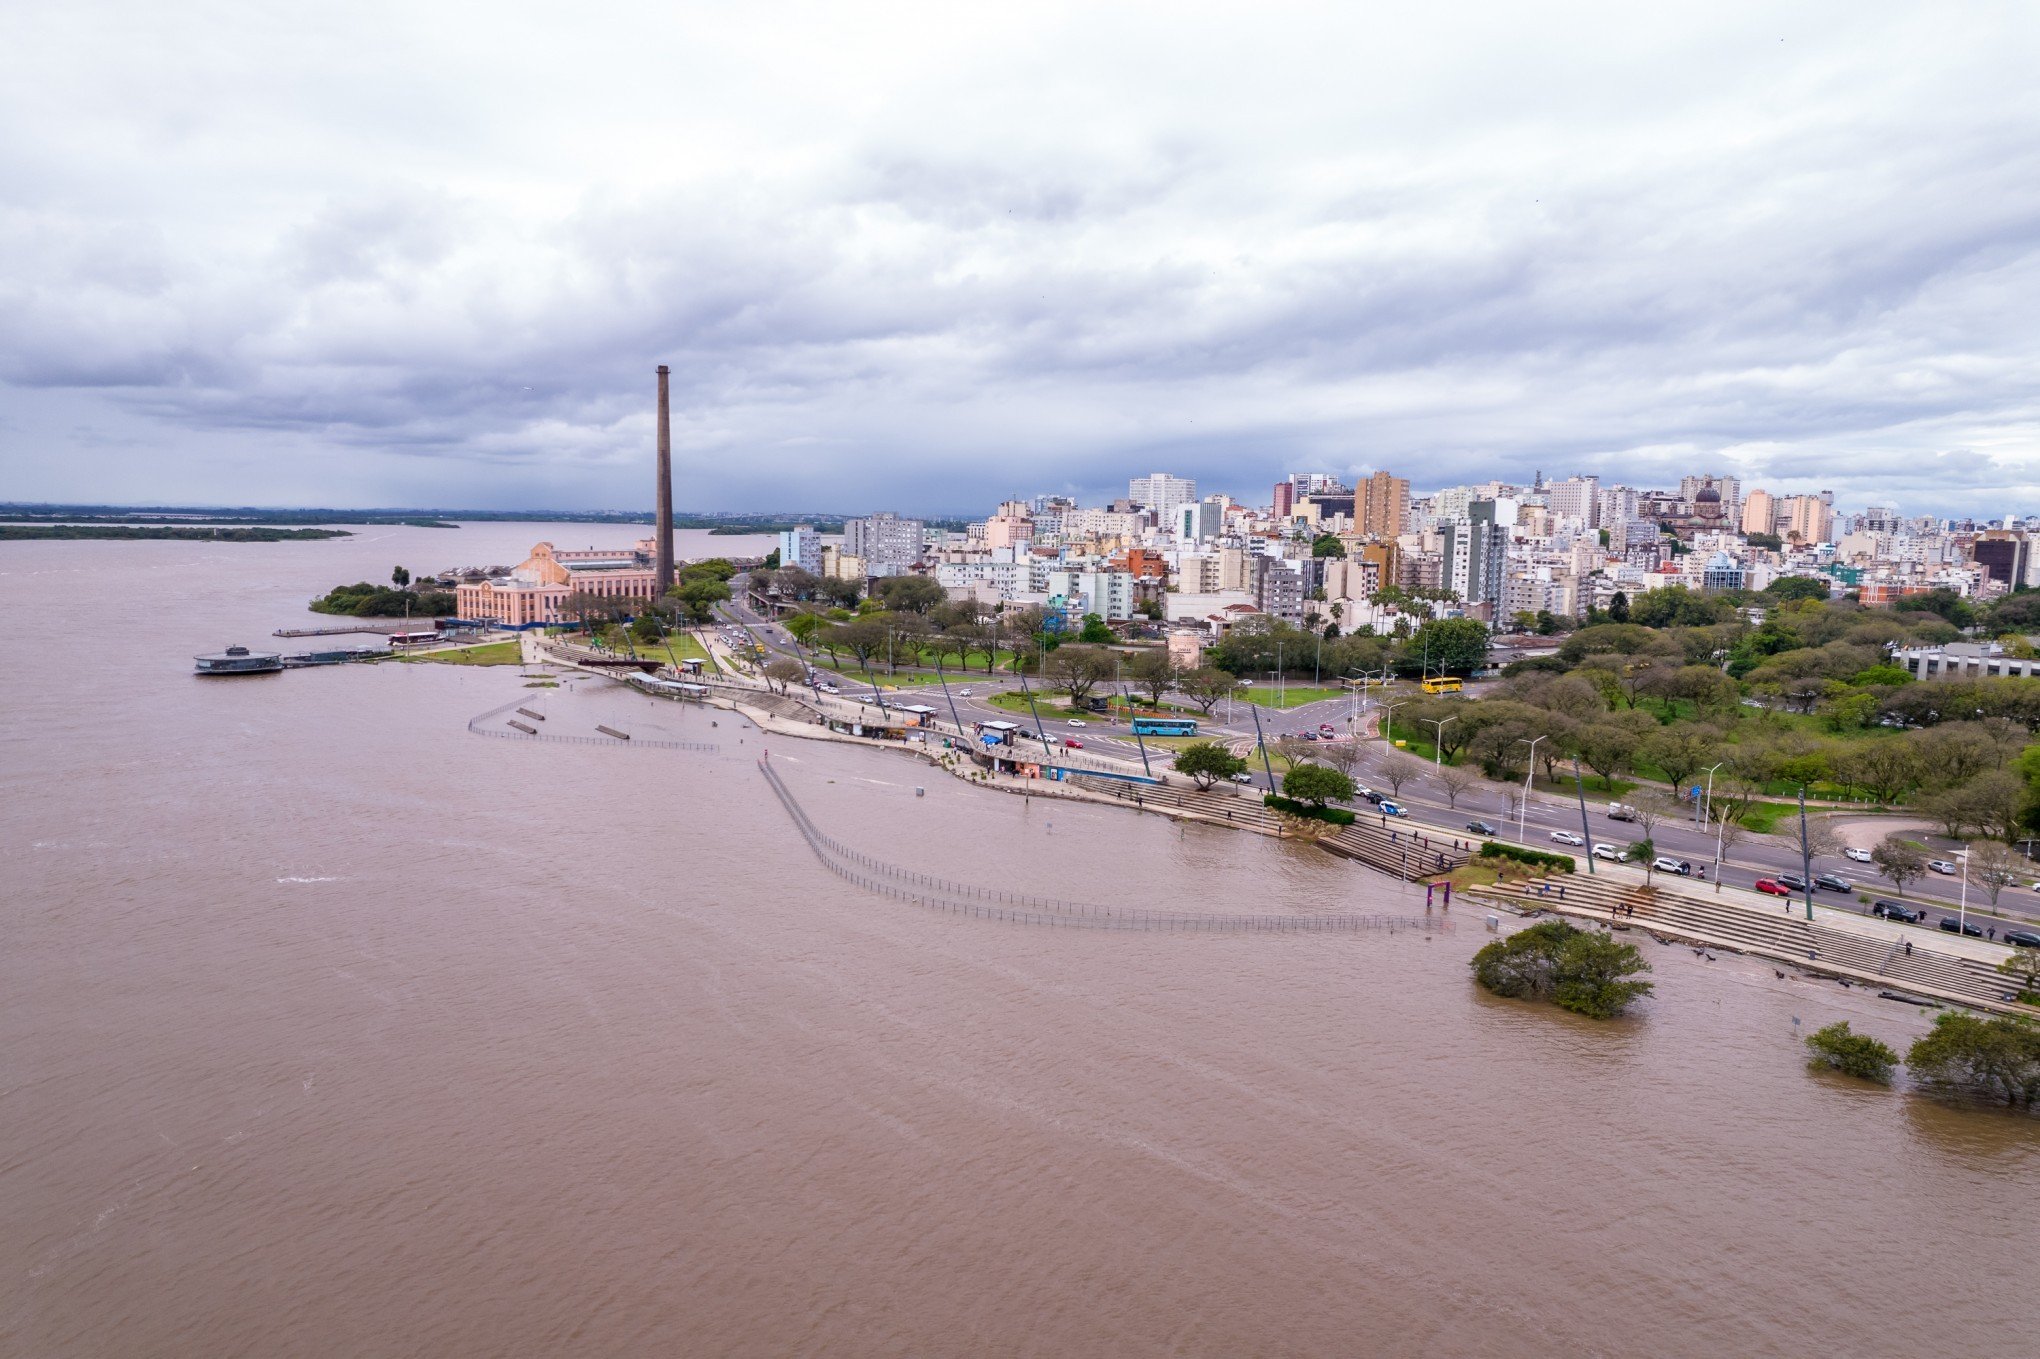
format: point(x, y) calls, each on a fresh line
point(662, 535)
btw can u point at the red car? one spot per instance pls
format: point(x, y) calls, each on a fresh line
point(1772, 887)
point(1072, 743)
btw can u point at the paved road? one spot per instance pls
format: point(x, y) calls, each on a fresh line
point(1233, 723)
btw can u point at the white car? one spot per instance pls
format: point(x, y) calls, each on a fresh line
point(1242, 778)
point(1609, 852)
point(963, 693)
point(1567, 838)
point(1943, 866)
point(1861, 856)
point(1078, 722)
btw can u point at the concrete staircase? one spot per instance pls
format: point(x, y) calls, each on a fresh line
point(1870, 958)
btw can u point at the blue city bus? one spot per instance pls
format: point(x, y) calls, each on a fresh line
point(1164, 726)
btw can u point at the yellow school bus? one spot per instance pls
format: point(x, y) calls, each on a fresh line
point(1443, 684)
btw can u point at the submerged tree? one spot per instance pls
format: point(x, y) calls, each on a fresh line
point(1853, 1054)
point(1998, 1057)
point(1584, 971)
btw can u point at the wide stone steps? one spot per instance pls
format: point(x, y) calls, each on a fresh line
point(1865, 958)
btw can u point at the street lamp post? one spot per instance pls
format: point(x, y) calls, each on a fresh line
point(1529, 770)
point(1707, 799)
point(1388, 721)
point(1438, 740)
point(1962, 910)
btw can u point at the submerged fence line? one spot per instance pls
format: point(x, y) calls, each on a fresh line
point(944, 894)
point(476, 728)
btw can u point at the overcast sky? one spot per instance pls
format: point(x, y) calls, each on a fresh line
point(926, 257)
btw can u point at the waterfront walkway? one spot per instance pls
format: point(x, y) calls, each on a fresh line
point(1842, 946)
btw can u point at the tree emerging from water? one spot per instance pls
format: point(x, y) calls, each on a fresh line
point(1584, 971)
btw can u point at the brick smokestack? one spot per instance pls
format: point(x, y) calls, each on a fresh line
point(662, 533)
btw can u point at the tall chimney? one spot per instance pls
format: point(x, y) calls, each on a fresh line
point(662, 534)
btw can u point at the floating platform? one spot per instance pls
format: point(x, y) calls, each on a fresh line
point(237, 660)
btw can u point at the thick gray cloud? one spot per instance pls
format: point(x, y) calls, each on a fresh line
point(927, 259)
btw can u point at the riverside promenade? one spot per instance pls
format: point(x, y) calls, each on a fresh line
point(1946, 969)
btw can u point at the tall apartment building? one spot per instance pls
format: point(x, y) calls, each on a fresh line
point(1381, 506)
point(1760, 513)
point(1476, 554)
point(887, 543)
point(1285, 498)
point(1809, 518)
point(801, 546)
point(1575, 498)
point(1200, 521)
point(1161, 493)
point(1012, 526)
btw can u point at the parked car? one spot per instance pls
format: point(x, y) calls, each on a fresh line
point(1665, 863)
point(1942, 866)
point(1771, 887)
point(1608, 852)
point(1390, 809)
point(2021, 938)
point(1893, 910)
point(1242, 777)
point(1832, 882)
point(1861, 856)
point(1955, 924)
point(1567, 838)
point(1792, 882)
point(1072, 743)
point(1480, 828)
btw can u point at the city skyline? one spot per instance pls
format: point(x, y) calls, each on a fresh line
point(929, 256)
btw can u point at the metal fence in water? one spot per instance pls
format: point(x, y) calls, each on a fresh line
point(987, 903)
point(475, 725)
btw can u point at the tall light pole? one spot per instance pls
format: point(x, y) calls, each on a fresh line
point(1962, 911)
point(1707, 799)
point(1529, 770)
point(1438, 742)
point(1389, 721)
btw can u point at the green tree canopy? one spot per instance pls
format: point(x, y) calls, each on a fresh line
point(1451, 646)
point(1583, 971)
point(1851, 1053)
point(1207, 762)
point(1998, 1058)
point(1316, 784)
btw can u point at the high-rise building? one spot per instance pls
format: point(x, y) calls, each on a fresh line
point(1285, 498)
point(801, 546)
point(1576, 498)
point(2005, 556)
point(886, 543)
point(1808, 518)
point(1760, 513)
point(1381, 506)
point(1161, 493)
point(1199, 521)
point(1476, 554)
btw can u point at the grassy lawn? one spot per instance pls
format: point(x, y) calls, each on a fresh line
point(1292, 696)
point(488, 653)
point(680, 646)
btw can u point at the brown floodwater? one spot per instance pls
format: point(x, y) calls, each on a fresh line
point(333, 1029)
